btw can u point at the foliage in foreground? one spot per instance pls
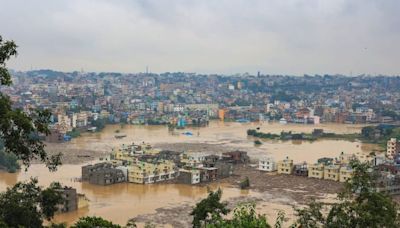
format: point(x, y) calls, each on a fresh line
point(20, 131)
point(243, 216)
point(209, 209)
point(8, 161)
point(89, 222)
point(359, 205)
point(27, 204)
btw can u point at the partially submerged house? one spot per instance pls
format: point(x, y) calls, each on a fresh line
point(236, 157)
point(267, 164)
point(208, 174)
point(224, 167)
point(102, 174)
point(331, 172)
point(189, 176)
point(146, 172)
point(70, 199)
point(300, 169)
point(285, 166)
point(316, 170)
point(346, 173)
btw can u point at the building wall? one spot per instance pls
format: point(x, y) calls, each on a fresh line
point(392, 147)
point(189, 176)
point(267, 164)
point(346, 173)
point(223, 169)
point(145, 172)
point(316, 171)
point(331, 173)
point(70, 200)
point(102, 174)
point(285, 166)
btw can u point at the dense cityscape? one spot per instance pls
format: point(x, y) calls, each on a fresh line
point(203, 114)
point(79, 100)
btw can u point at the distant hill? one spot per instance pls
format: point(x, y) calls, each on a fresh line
point(45, 73)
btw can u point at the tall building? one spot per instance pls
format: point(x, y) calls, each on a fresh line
point(392, 148)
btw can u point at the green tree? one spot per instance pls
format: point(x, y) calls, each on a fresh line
point(209, 209)
point(245, 183)
point(7, 160)
point(90, 222)
point(19, 130)
point(99, 123)
point(244, 216)
point(359, 205)
point(27, 204)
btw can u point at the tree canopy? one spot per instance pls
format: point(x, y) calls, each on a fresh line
point(26, 204)
point(243, 216)
point(359, 205)
point(90, 222)
point(20, 130)
point(209, 209)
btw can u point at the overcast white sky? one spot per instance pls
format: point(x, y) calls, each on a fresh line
point(205, 36)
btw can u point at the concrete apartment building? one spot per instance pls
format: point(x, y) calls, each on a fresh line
point(208, 174)
point(331, 172)
point(300, 169)
point(144, 172)
point(346, 173)
point(392, 148)
point(285, 166)
point(224, 168)
point(316, 170)
point(191, 176)
point(102, 174)
point(107, 176)
point(193, 159)
point(267, 164)
point(70, 197)
point(237, 157)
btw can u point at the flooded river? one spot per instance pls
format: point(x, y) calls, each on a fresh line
point(123, 201)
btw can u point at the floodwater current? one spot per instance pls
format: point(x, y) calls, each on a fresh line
point(121, 202)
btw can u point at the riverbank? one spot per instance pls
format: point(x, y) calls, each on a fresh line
point(378, 135)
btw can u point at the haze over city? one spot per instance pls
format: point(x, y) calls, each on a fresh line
point(226, 37)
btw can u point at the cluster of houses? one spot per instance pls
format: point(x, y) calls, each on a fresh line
point(324, 168)
point(386, 170)
point(142, 164)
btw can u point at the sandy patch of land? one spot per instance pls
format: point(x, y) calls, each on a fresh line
point(272, 193)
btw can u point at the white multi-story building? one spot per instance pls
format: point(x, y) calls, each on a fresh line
point(193, 159)
point(267, 164)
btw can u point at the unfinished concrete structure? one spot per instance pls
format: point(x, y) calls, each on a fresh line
point(102, 174)
point(70, 199)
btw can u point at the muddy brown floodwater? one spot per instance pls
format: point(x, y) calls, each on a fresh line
point(124, 201)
